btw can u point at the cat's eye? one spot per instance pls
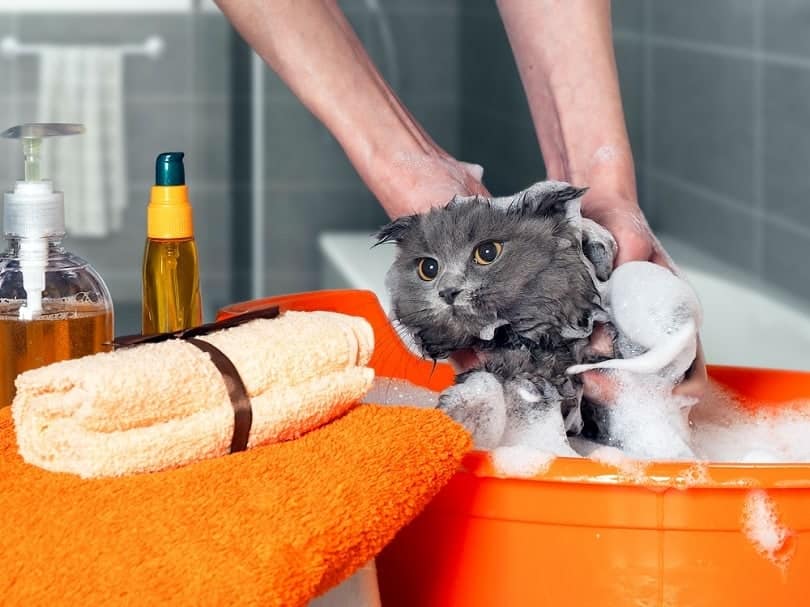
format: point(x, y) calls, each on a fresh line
point(427, 268)
point(487, 252)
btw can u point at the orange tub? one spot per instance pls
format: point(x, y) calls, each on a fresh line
point(584, 533)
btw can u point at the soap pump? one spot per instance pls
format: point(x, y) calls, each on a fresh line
point(53, 305)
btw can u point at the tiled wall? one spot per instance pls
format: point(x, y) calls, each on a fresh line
point(720, 94)
point(496, 128)
point(179, 101)
point(311, 186)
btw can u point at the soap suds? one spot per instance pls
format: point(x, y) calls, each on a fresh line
point(628, 466)
point(646, 428)
point(724, 431)
point(393, 391)
point(695, 476)
point(605, 154)
point(647, 420)
point(521, 461)
point(762, 527)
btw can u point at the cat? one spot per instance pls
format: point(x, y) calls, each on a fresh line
point(513, 279)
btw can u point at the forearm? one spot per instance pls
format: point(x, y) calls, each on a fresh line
point(564, 53)
point(313, 48)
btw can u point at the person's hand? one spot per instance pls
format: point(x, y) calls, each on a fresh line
point(415, 183)
point(625, 220)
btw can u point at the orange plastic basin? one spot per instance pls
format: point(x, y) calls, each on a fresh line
point(584, 533)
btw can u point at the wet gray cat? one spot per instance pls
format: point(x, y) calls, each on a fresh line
point(513, 280)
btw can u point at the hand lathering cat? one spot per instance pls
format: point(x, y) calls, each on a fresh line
point(520, 281)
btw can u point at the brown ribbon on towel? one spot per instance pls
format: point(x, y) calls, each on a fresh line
point(237, 392)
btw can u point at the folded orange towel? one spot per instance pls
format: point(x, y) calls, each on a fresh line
point(274, 525)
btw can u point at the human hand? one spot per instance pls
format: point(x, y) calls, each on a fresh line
point(416, 183)
point(636, 242)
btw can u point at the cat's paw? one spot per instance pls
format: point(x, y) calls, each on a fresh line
point(535, 419)
point(477, 404)
point(599, 247)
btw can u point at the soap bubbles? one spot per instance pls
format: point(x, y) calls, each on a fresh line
point(647, 423)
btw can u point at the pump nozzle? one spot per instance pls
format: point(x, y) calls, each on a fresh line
point(32, 135)
point(33, 212)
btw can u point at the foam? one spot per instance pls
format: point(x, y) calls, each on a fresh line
point(723, 431)
point(612, 456)
point(544, 431)
point(521, 461)
point(394, 391)
point(647, 424)
point(647, 420)
point(762, 527)
point(655, 312)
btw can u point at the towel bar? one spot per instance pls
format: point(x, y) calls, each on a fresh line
point(151, 47)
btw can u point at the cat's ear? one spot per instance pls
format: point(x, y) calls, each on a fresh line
point(396, 230)
point(547, 198)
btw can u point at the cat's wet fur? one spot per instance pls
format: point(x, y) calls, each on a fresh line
point(538, 292)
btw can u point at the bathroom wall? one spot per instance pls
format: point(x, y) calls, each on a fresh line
point(496, 129)
point(179, 101)
point(726, 98)
point(310, 185)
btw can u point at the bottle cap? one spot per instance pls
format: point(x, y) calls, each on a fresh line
point(169, 169)
point(169, 215)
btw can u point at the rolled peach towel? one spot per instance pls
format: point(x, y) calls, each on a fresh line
point(163, 405)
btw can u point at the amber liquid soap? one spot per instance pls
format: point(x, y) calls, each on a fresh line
point(171, 286)
point(54, 306)
point(50, 338)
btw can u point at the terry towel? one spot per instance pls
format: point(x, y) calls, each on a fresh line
point(271, 526)
point(85, 84)
point(162, 405)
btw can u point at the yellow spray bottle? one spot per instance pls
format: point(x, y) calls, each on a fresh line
point(171, 277)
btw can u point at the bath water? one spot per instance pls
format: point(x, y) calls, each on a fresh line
point(29, 344)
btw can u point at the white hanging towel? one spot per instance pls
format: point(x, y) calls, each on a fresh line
point(85, 85)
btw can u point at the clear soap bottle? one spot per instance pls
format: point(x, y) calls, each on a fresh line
point(53, 305)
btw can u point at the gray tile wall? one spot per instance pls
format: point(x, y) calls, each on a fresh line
point(179, 101)
point(496, 128)
point(725, 115)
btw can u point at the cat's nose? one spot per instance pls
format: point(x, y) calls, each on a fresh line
point(449, 295)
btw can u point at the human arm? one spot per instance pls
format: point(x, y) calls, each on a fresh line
point(313, 48)
point(564, 53)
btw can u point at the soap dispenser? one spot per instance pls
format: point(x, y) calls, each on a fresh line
point(53, 305)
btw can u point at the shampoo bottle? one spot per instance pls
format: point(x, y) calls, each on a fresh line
point(53, 305)
point(171, 278)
